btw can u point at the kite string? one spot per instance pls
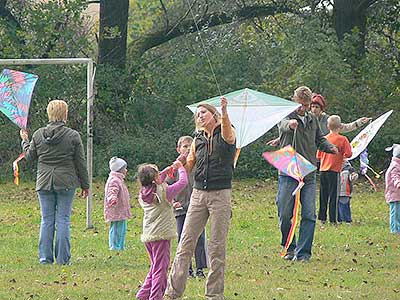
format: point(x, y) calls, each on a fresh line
point(203, 46)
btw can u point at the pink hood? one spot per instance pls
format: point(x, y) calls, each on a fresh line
point(392, 181)
point(147, 193)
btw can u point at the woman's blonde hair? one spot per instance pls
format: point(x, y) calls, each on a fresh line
point(57, 111)
point(211, 109)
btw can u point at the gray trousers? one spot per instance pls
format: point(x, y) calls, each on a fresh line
point(215, 205)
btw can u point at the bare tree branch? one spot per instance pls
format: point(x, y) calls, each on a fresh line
point(206, 7)
point(182, 18)
point(153, 39)
point(6, 13)
point(165, 15)
point(364, 4)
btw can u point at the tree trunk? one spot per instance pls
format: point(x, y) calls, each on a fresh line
point(113, 32)
point(6, 14)
point(351, 15)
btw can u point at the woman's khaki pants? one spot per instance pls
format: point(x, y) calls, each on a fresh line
point(216, 205)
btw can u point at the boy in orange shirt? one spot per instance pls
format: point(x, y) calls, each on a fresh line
point(331, 165)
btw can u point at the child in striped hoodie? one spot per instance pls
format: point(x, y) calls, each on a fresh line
point(347, 176)
point(156, 199)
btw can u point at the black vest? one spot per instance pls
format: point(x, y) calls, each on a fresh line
point(213, 171)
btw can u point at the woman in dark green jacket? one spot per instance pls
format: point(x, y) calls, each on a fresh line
point(61, 169)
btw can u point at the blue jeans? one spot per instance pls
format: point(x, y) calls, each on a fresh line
point(56, 209)
point(117, 234)
point(394, 217)
point(285, 202)
point(344, 210)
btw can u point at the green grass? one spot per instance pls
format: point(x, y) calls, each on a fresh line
point(361, 261)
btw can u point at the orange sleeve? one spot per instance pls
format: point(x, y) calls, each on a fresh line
point(191, 158)
point(227, 131)
point(347, 152)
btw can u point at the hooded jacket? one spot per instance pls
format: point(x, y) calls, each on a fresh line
point(392, 181)
point(156, 201)
point(347, 176)
point(307, 137)
point(116, 198)
point(60, 157)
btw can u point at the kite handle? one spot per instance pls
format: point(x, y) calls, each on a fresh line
point(301, 184)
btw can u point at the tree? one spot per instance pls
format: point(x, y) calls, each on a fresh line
point(113, 32)
point(185, 23)
point(351, 16)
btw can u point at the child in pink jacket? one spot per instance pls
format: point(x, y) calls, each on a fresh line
point(156, 199)
point(117, 208)
point(392, 188)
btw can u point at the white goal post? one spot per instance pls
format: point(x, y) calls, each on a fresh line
point(89, 113)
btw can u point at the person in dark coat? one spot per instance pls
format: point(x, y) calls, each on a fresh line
point(61, 169)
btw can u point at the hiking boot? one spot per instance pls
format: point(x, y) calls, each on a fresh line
point(191, 274)
point(289, 255)
point(200, 273)
point(301, 259)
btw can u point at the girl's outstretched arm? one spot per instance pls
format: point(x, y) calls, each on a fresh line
point(177, 187)
point(163, 174)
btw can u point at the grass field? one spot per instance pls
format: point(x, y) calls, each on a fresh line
point(360, 261)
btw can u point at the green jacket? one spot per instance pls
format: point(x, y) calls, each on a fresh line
point(59, 152)
point(306, 138)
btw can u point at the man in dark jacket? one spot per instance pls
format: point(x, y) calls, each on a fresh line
point(300, 129)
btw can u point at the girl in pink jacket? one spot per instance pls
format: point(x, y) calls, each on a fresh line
point(392, 188)
point(116, 203)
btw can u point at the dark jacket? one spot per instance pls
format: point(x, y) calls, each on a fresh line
point(307, 137)
point(214, 161)
point(60, 157)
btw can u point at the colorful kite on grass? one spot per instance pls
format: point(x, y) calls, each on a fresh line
point(16, 89)
point(289, 162)
point(252, 113)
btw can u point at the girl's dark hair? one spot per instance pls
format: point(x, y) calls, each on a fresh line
point(147, 173)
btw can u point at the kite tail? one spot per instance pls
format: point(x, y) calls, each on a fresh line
point(16, 168)
point(371, 182)
point(294, 218)
point(236, 157)
point(377, 175)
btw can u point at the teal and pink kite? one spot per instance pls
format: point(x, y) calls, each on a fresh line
point(16, 89)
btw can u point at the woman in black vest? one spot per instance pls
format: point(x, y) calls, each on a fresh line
point(211, 155)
